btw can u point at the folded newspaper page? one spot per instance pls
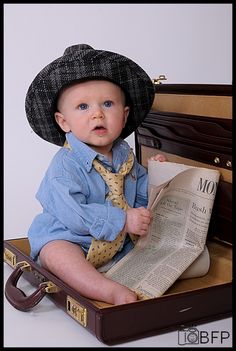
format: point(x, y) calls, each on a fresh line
point(181, 198)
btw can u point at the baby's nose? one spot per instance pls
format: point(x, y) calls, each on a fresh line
point(97, 113)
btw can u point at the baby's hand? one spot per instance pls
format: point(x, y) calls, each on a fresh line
point(158, 157)
point(138, 220)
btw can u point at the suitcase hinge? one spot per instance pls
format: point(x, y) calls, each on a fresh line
point(158, 80)
point(76, 310)
point(10, 258)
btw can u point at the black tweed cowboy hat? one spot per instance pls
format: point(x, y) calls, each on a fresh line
point(79, 63)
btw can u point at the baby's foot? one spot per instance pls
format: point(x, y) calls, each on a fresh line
point(123, 295)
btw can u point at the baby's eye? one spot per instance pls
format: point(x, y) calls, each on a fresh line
point(83, 106)
point(108, 103)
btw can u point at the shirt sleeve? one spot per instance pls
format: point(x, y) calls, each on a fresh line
point(67, 202)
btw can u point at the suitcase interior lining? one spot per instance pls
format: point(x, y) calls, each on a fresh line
point(220, 271)
point(198, 105)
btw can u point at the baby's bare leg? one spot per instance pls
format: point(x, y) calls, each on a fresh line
point(67, 261)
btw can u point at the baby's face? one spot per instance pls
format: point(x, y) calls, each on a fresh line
point(94, 111)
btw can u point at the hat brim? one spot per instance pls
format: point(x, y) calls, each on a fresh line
point(86, 64)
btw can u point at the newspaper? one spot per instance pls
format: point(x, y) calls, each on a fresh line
point(181, 198)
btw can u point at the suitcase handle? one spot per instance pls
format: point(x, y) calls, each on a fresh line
point(17, 297)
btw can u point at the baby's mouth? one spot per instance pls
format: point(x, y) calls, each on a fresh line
point(100, 130)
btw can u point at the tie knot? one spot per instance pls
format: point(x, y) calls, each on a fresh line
point(115, 181)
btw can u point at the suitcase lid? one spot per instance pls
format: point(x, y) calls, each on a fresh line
point(209, 105)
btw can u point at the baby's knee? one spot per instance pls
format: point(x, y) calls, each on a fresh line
point(53, 251)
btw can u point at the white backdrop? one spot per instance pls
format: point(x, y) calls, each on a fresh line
point(189, 43)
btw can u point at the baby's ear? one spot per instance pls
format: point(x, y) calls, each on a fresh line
point(60, 119)
point(126, 114)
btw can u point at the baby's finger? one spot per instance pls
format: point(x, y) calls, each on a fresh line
point(158, 157)
point(146, 220)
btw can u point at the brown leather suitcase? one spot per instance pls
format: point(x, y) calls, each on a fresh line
point(190, 124)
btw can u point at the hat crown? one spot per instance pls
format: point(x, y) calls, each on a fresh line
point(76, 48)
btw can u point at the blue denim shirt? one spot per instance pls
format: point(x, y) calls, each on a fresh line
point(73, 196)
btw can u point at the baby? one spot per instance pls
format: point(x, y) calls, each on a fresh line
point(87, 102)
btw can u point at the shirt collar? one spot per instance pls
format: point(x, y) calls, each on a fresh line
point(120, 152)
point(86, 154)
point(83, 152)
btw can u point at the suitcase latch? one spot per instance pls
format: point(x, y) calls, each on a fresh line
point(10, 258)
point(77, 311)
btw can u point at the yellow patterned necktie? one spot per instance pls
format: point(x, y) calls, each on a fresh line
point(101, 251)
